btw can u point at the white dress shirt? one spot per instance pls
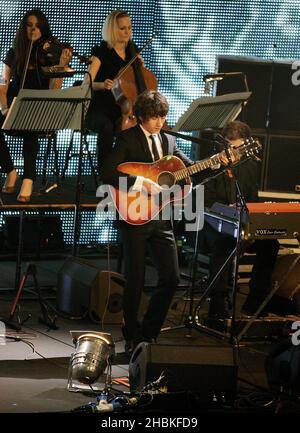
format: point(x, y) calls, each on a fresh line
point(138, 184)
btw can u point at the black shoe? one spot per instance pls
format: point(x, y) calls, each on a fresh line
point(142, 339)
point(129, 348)
point(218, 324)
point(218, 308)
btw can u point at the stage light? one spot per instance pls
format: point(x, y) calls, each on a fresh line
point(92, 357)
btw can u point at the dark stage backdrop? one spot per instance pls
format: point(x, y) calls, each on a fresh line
point(191, 35)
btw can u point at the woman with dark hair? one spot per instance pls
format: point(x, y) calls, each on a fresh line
point(34, 29)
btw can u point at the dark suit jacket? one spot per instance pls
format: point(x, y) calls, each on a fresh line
point(132, 146)
point(222, 188)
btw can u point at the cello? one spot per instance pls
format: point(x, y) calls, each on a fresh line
point(132, 80)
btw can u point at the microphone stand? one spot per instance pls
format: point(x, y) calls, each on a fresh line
point(242, 210)
point(24, 73)
point(190, 322)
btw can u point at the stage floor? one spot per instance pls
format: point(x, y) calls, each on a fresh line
point(34, 362)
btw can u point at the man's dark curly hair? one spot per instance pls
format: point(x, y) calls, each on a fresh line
point(236, 129)
point(150, 104)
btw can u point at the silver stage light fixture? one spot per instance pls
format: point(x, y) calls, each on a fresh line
point(93, 355)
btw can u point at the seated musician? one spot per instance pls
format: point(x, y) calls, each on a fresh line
point(222, 189)
point(145, 143)
point(34, 27)
point(107, 59)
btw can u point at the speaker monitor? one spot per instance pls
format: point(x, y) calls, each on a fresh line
point(282, 171)
point(205, 369)
point(75, 280)
point(258, 75)
point(275, 99)
point(285, 99)
point(107, 298)
point(106, 303)
point(82, 288)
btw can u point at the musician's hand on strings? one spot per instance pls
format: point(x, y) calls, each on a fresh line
point(65, 57)
point(4, 111)
point(141, 60)
point(108, 84)
point(224, 160)
point(233, 154)
point(151, 187)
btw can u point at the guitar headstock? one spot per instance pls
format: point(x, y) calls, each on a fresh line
point(250, 148)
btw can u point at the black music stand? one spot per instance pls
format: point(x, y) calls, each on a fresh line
point(212, 112)
point(48, 111)
point(209, 112)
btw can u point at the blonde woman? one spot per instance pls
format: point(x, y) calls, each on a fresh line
point(114, 52)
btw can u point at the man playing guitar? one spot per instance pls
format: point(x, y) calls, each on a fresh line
point(145, 143)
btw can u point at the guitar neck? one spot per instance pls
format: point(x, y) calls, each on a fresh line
point(199, 166)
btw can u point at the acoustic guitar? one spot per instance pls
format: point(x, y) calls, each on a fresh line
point(140, 207)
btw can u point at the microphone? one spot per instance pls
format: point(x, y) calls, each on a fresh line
point(213, 77)
point(220, 76)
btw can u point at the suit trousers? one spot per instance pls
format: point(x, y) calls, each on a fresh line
point(159, 237)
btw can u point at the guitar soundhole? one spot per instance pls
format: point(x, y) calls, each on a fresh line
point(166, 179)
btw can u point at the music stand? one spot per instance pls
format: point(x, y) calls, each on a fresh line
point(212, 112)
point(208, 112)
point(47, 111)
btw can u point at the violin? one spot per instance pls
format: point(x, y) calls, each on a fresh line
point(49, 52)
point(132, 80)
